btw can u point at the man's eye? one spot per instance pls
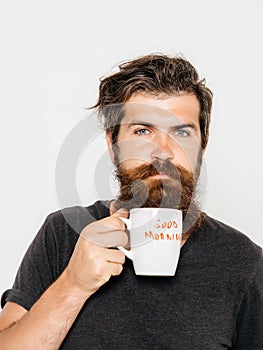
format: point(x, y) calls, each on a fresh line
point(181, 133)
point(142, 132)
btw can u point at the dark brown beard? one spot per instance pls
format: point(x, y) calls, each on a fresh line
point(139, 190)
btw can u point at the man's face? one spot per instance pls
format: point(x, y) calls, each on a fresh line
point(155, 128)
point(158, 155)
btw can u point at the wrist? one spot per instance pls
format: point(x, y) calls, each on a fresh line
point(71, 289)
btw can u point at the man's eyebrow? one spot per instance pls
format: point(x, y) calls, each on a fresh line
point(142, 123)
point(184, 126)
point(150, 125)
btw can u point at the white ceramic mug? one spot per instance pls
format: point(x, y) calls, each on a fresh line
point(155, 240)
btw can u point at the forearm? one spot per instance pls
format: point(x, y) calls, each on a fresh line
point(48, 321)
point(91, 265)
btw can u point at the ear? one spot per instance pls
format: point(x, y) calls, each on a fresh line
point(109, 144)
point(204, 149)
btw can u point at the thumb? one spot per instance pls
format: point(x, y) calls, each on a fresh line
point(121, 212)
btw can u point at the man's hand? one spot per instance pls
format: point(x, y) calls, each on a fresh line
point(50, 318)
point(93, 262)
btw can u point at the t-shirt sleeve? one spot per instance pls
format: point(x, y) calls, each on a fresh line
point(50, 252)
point(37, 270)
point(249, 335)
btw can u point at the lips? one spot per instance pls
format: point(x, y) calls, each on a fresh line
point(160, 175)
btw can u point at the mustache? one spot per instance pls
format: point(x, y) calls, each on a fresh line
point(144, 171)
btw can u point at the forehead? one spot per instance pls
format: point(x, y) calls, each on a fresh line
point(163, 110)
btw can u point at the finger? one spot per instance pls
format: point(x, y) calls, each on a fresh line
point(122, 212)
point(108, 224)
point(115, 269)
point(109, 239)
point(114, 256)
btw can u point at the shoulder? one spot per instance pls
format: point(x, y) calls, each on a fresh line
point(228, 234)
point(59, 233)
point(76, 218)
point(230, 245)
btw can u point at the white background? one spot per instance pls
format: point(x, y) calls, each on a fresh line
point(52, 56)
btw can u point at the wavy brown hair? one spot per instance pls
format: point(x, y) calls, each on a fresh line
point(156, 75)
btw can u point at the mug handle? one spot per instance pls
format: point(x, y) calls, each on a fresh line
point(128, 253)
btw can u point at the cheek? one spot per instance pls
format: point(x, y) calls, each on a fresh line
point(187, 157)
point(134, 150)
point(187, 152)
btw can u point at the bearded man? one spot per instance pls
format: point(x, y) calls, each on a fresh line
point(78, 292)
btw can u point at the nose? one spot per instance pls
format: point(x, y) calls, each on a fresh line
point(162, 147)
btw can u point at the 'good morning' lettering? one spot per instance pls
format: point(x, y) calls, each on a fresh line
point(165, 224)
point(163, 236)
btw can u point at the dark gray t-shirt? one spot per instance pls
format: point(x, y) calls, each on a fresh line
point(214, 301)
